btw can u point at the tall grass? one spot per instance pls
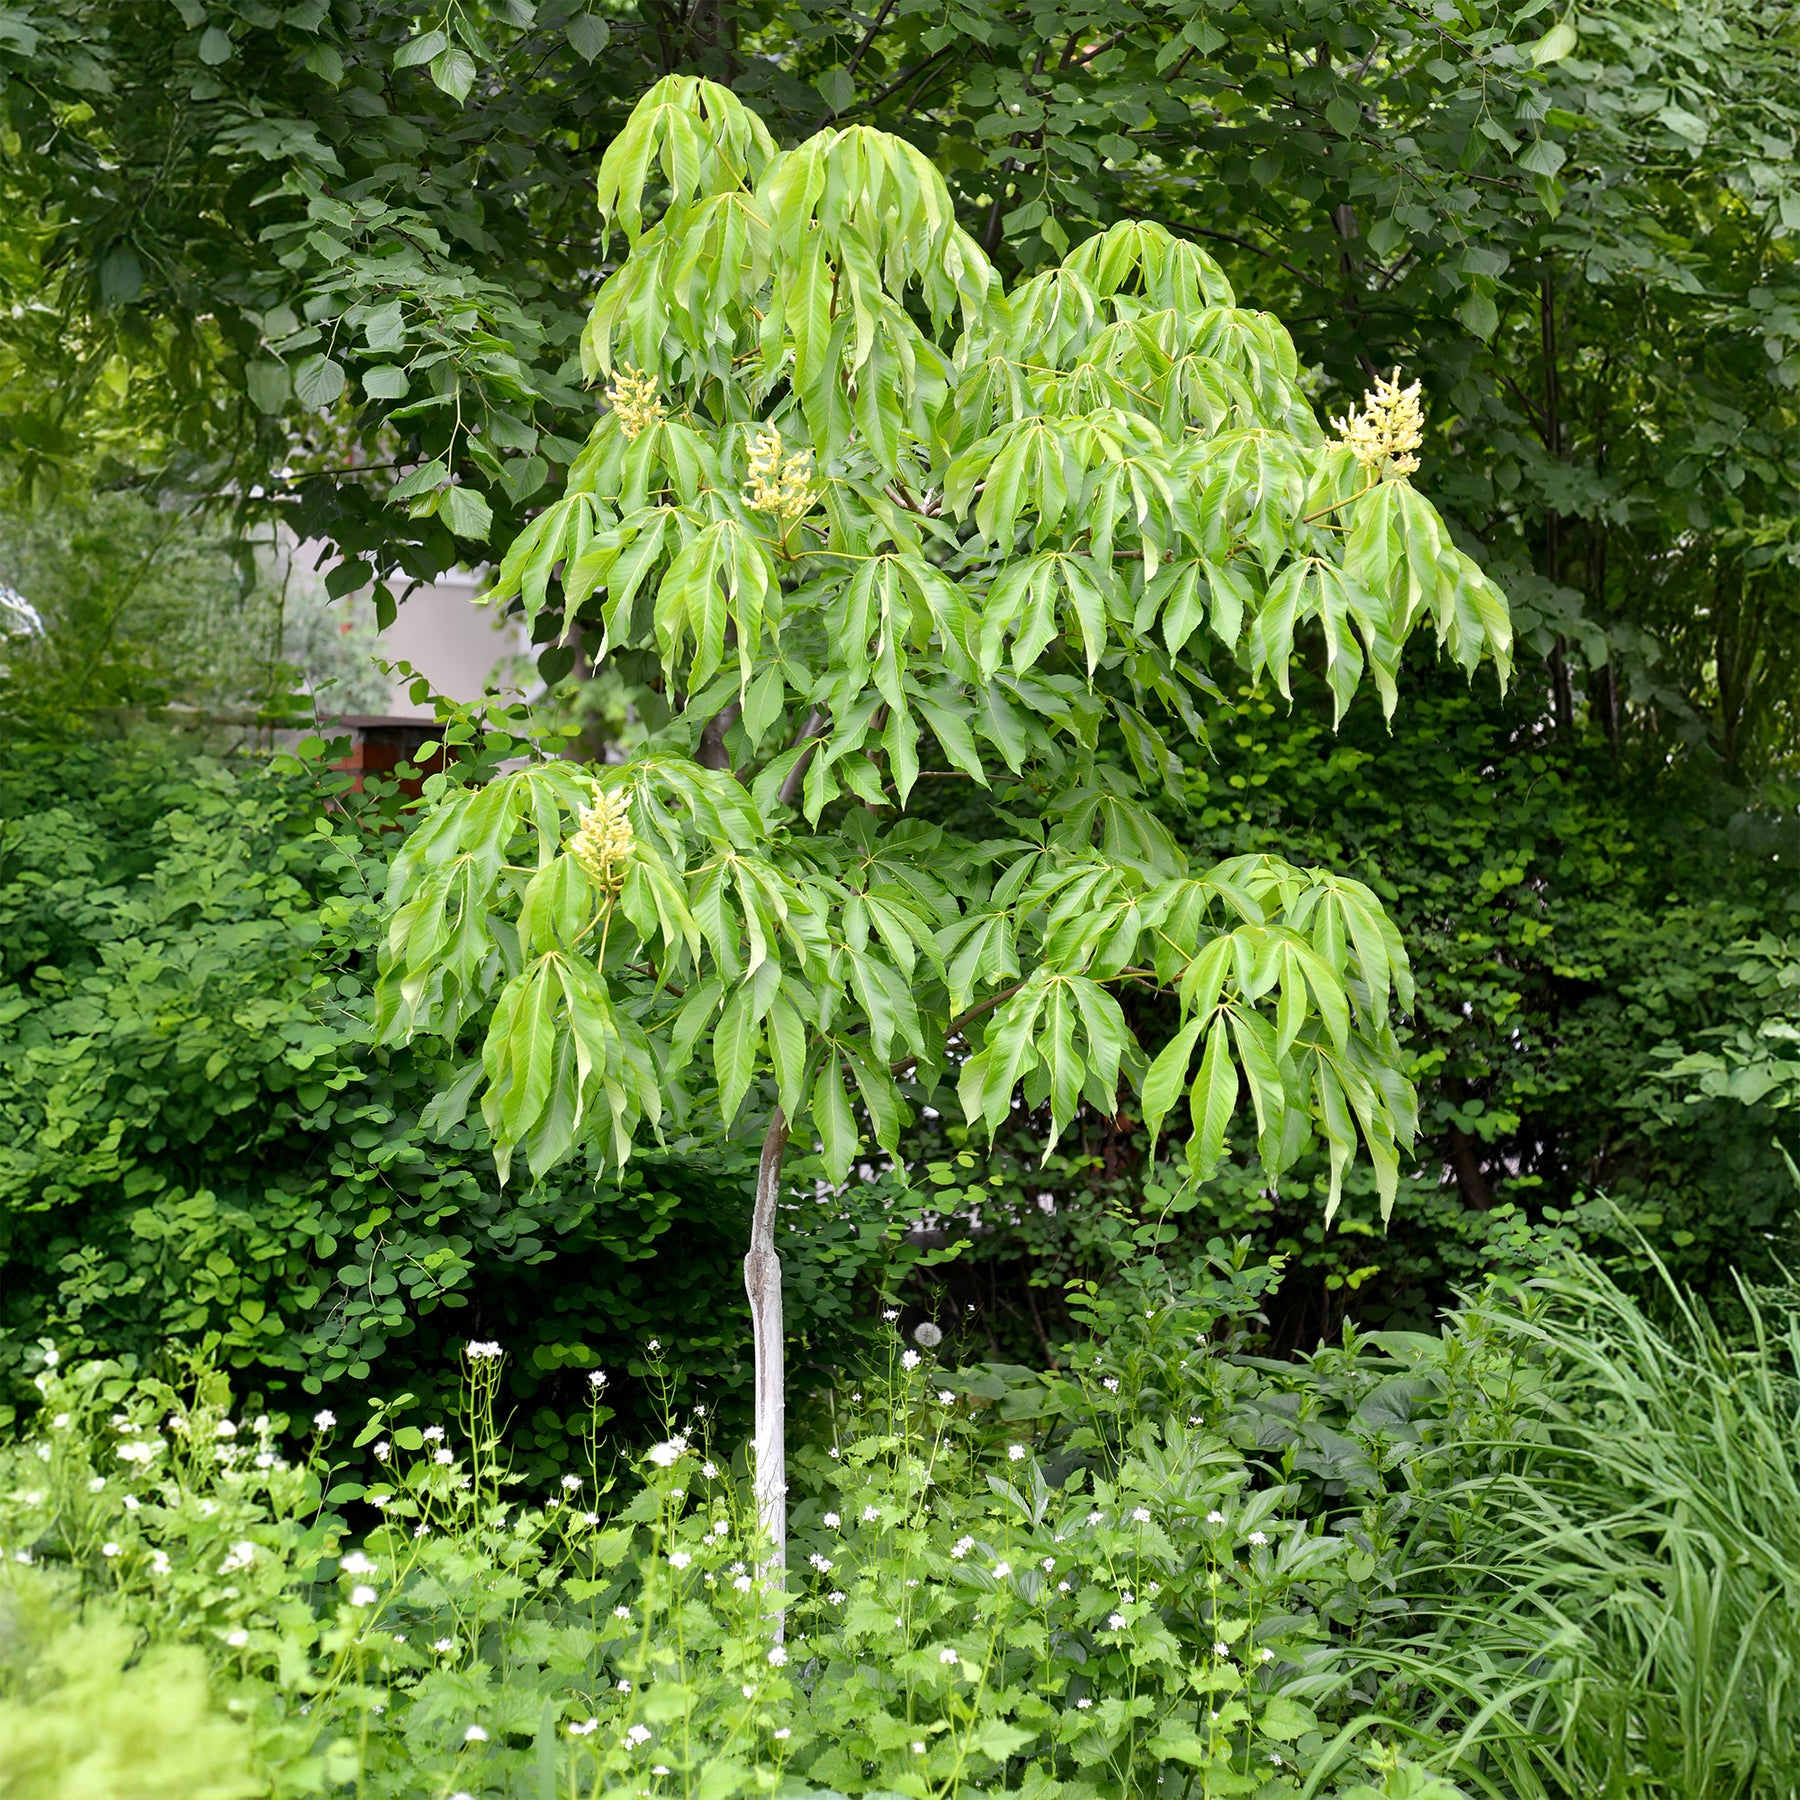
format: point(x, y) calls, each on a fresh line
point(1624, 1593)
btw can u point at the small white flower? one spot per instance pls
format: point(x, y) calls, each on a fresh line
point(585, 1728)
point(945, 1397)
point(749, 1690)
point(948, 1656)
point(1062, 1587)
point(1096, 1518)
point(871, 1515)
point(356, 1563)
point(444, 1646)
point(655, 1345)
point(660, 1769)
point(109, 1549)
point(97, 1484)
point(778, 1657)
point(1111, 1384)
point(590, 1518)
point(621, 1612)
point(443, 1458)
point(43, 1452)
point(834, 1452)
point(1215, 1517)
point(159, 1562)
point(665, 1454)
point(421, 1530)
point(1083, 1703)
point(832, 1521)
point(224, 1428)
point(237, 1639)
point(1221, 1648)
point(623, 1685)
point(743, 1584)
point(721, 1528)
point(821, 1563)
point(1116, 1622)
point(475, 1735)
point(962, 1547)
point(241, 1556)
point(910, 1359)
point(132, 1502)
point(679, 1559)
point(1015, 1453)
point(710, 1470)
point(1275, 1756)
point(835, 1599)
point(918, 1749)
point(1141, 1514)
point(571, 1483)
point(783, 1734)
point(324, 1418)
point(362, 1595)
point(1002, 1570)
point(433, 1434)
point(483, 1352)
point(891, 1314)
point(596, 1378)
point(1259, 1538)
point(1265, 1654)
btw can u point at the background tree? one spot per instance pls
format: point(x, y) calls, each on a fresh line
point(863, 521)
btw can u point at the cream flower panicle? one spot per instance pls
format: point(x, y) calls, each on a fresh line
point(634, 402)
point(1390, 427)
point(778, 485)
point(603, 842)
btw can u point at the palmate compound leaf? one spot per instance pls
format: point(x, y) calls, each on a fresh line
point(856, 523)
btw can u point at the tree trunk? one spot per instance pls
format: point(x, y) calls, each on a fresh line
point(762, 1282)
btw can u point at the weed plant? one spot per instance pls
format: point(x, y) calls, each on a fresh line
point(1100, 1597)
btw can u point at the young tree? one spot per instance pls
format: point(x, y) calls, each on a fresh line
point(862, 523)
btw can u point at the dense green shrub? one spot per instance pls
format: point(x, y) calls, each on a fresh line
point(996, 1583)
point(1571, 923)
point(196, 1140)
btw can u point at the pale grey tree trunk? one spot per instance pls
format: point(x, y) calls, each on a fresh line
point(762, 1282)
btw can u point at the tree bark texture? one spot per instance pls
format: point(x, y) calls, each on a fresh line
point(762, 1282)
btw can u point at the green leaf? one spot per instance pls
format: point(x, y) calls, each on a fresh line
point(466, 511)
point(837, 89)
point(269, 385)
point(421, 50)
point(215, 46)
point(1284, 1719)
point(1555, 44)
point(834, 1121)
point(385, 382)
point(318, 381)
point(587, 35)
point(453, 71)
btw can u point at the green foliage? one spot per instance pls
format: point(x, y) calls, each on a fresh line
point(1086, 1581)
point(131, 610)
point(1575, 924)
point(1622, 1588)
point(1008, 534)
point(200, 1142)
point(88, 1716)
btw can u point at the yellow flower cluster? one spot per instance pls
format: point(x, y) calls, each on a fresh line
point(1391, 426)
point(632, 397)
point(602, 843)
point(778, 487)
